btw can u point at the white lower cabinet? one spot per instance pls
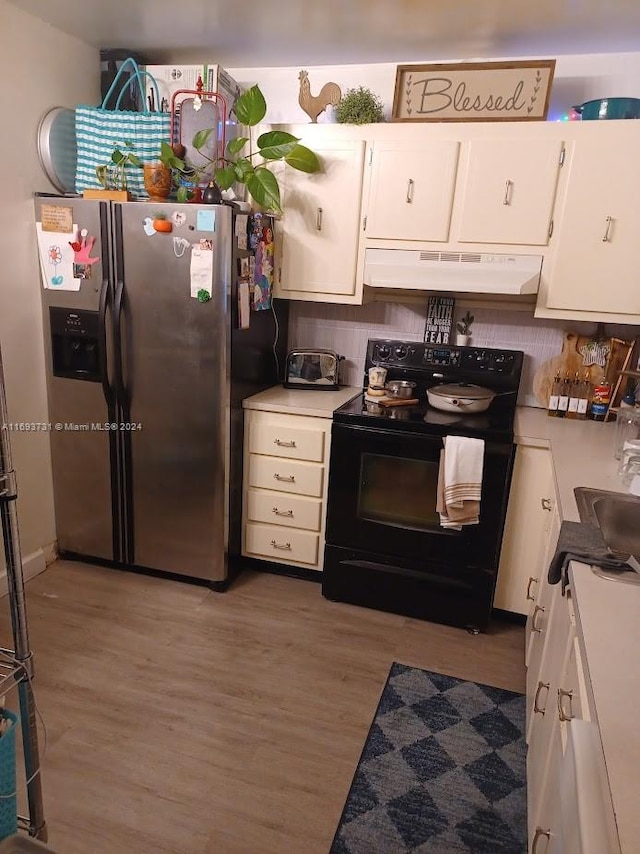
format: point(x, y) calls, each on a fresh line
point(568, 797)
point(528, 528)
point(286, 461)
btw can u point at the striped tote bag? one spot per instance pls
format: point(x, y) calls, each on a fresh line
point(100, 131)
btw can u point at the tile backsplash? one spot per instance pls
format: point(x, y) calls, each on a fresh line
point(346, 329)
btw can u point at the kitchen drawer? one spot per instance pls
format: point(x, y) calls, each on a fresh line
point(281, 438)
point(277, 509)
point(284, 544)
point(286, 475)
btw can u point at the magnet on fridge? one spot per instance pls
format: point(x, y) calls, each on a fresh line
point(147, 224)
point(82, 260)
point(206, 220)
point(161, 223)
point(178, 218)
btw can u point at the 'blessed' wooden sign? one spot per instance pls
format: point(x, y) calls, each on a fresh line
point(473, 91)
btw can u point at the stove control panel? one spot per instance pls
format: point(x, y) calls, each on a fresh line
point(415, 355)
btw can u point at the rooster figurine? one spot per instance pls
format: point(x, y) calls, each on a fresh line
point(313, 105)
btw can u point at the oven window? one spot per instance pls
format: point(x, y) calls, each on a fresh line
point(398, 491)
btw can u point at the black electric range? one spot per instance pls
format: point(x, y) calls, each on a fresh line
point(385, 546)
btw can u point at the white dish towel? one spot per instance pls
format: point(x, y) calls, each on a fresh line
point(460, 481)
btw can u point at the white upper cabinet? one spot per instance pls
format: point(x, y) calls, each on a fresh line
point(509, 190)
point(320, 228)
point(411, 190)
point(594, 267)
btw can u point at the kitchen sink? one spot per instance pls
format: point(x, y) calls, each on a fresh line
point(617, 515)
point(586, 497)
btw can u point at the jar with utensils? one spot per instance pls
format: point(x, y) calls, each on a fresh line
point(377, 379)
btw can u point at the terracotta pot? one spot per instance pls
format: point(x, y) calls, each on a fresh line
point(157, 181)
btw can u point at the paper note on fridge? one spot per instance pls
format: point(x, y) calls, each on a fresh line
point(201, 270)
point(56, 259)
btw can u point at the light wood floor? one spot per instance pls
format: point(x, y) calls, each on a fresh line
point(185, 721)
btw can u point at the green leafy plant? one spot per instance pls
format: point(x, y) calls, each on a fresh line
point(250, 168)
point(359, 107)
point(464, 324)
point(112, 175)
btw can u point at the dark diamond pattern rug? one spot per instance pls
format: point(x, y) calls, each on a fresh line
point(442, 771)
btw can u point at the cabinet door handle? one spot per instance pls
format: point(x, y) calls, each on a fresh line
point(564, 716)
point(532, 580)
point(410, 191)
point(536, 708)
point(537, 610)
point(507, 193)
point(607, 231)
point(319, 219)
point(546, 504)
point(282, 444)
point(285, 547)
point(277, 512)
point(536, 836)
point(285, 478)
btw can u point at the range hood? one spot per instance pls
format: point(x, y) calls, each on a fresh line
point(457, 272)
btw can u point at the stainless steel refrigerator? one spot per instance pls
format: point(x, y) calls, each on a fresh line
point(145, 383)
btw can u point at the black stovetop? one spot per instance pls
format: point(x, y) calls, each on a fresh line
point(427, 365)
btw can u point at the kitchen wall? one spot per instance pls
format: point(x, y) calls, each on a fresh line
point(346, 329)
point(41, 68)
point(577, 78)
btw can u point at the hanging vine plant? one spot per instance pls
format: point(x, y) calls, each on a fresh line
point(250, 169)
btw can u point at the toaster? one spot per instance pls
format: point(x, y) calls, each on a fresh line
point(312, 369)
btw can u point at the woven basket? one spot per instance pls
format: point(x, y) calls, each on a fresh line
point(8, 799)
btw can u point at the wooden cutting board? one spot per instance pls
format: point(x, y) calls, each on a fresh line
point(571, 359)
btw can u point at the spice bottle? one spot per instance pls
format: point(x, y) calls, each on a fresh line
point(552, 406)
point(574, 397)
point(584, 397)
point(563, 396)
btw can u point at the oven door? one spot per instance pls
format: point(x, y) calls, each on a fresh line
point(382, 500)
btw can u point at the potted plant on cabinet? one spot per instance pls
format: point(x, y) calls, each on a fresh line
point(359, 107)
point(463, 330)
point(113, 175)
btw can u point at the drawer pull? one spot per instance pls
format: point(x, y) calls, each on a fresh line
point(289, 478)
point(562, 715)
point(536, 836)
point(282, 444)
point(546, 504)
point(277, 512)
point(537, 610)
point(319, 219)
point(607, 231)
point(285, 547)
point(532, 580)
point(536, 708)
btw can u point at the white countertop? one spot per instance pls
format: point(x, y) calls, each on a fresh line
point(293, 401)
point(582, 453)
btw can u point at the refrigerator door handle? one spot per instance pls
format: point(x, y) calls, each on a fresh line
point(105, 301)
point(121, 392)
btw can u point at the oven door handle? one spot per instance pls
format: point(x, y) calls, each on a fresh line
point(379, 435)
